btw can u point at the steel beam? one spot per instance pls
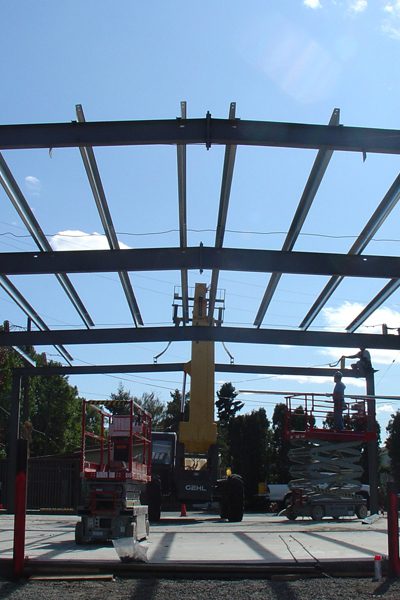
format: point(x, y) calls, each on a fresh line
point(24, 305)
point(181, 164)
point(314, 180)
point(226, 184)
point(200, 333)
point(228, 259)
point(371, 307)
point(21, 206)
point(178, 367)
point(377, 219)
point(197, 131)
point(100, 199)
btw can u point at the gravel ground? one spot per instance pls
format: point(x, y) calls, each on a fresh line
point(155, 589)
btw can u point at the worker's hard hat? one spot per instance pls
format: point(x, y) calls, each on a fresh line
point(338, 374)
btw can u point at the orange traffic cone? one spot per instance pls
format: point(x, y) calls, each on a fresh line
point(183, 510)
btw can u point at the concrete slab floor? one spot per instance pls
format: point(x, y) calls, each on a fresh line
point(205, 538)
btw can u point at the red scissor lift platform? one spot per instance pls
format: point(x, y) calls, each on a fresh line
point(115, 469)
point(325, 462)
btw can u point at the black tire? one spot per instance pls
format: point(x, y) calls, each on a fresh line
point(362, 511)
point(153, 493)
point(288, 500)
point(317, 512)
point(79, 533)
point(291, 515)
point(223, 504)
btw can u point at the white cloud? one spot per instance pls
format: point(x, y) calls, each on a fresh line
point(79, 240)
point(312, 4)
point(391, 24)
point(33, 185)
point(337, 318)
point(358, 6)
point(392, 8)
point(385, 408)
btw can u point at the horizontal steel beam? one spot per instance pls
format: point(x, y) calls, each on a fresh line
point(178, 367)
point(228, 259)
point(200, 333)
point(196, 131)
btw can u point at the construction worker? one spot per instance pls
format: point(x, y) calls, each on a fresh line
point(364, 365)
point(339, 404)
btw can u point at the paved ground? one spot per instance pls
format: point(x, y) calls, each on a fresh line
point(204, 538)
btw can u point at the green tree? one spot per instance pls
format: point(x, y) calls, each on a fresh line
point(50, 409)
point(121, 399)
point(279, 465)
point(148, 401)
point(227, 406)
point(55, 415)
point(247, 439)
point(393, 445)
point(153, 405)
point(173, 412)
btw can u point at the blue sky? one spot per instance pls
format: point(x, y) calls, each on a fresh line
point(281, 61)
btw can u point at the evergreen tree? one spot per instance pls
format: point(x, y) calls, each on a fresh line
point(279, 467)
point(148, 401)
point(393, 445)
point(247, 439)
point(227, 406)
point(153, 405)
point(173, 412)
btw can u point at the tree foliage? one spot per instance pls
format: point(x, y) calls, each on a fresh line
point(227, 406)
point(148, 401)
point(393, 445)
point(50, 407)
point(247, 440)
point(280, 446)
point(173, 414)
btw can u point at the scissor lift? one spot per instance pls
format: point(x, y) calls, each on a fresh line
point(325, 462)
point(115, 469)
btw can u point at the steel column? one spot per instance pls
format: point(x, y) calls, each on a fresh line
point(372, 446)
point(13, 435)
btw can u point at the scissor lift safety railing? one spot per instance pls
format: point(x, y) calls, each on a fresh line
point(122, 448)
point(308, 416)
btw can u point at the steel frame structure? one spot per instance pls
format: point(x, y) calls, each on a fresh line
point(230, 133)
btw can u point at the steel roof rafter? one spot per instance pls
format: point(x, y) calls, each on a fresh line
point(20, 204)
point(181, 165)
point(24, 305)
point(226, 184)
point(176, 367)
point(311, 188)
point(385, 207)
point(375, 303)
point(96, 185)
